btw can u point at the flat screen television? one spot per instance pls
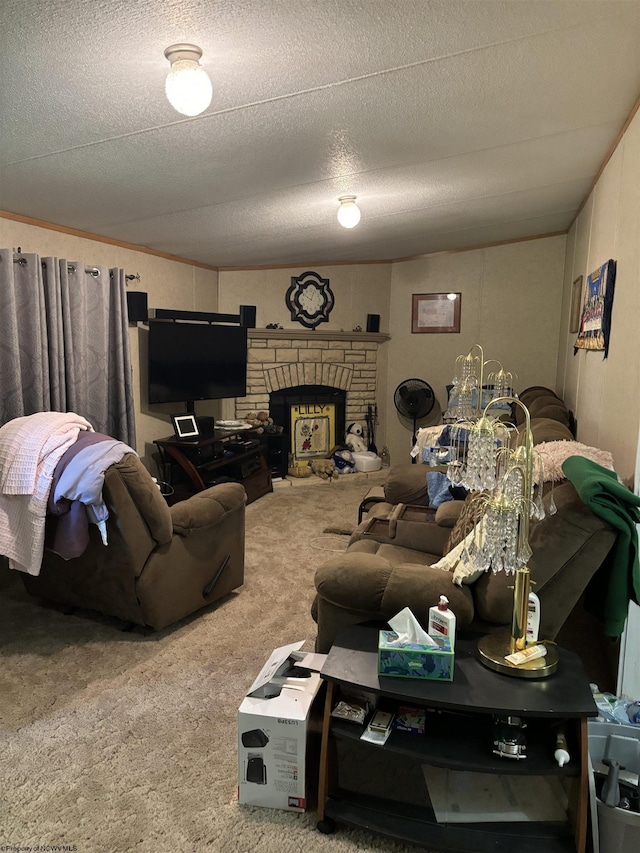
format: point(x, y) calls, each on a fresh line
point(196, 361)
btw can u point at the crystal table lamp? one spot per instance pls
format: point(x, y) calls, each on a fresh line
point(469, 392)
point(504, 475)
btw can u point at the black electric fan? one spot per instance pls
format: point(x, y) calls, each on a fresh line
point(414, 399)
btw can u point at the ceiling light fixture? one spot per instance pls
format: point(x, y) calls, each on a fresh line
point(188, 86)
point(348, 212)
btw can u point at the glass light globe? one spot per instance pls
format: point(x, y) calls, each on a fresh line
point(188, 87)
point(348, 212)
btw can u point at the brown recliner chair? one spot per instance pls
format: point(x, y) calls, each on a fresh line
point(161, 563)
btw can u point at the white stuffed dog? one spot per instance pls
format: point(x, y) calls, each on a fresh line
point(354, 440)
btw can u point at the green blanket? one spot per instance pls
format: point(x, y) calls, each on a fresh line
point(601, 491)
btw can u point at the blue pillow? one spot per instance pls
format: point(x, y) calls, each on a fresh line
point(438, 488)
point(453, 435)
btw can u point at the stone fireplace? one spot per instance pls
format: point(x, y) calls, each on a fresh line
point(284, 362)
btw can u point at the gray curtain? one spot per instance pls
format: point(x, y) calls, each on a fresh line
point(64, 342)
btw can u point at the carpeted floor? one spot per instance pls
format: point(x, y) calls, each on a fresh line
point(116, 741)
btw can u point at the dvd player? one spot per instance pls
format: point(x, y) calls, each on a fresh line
point(242, 446)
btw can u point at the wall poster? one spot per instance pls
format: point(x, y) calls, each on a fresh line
point(595, 323)
point(313, 431)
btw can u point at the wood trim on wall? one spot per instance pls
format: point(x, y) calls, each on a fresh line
point(87, 235)
point(490, 245)
point(97, 238)
point(303, 265)
point(39, 223)
point(398, 260)
point(609, 155)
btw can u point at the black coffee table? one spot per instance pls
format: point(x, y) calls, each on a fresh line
point(361, 784)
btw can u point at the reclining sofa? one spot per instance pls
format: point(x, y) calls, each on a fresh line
point(388, 565)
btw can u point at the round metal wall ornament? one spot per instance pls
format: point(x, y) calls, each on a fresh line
point(309, 299)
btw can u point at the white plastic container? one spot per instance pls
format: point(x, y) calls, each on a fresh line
point(533, 618)
point(367, 461)
point(618, 829)
point(442, 621)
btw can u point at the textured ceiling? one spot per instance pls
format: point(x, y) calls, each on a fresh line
point(455, 123)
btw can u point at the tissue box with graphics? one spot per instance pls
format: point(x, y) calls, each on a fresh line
point(413, 660)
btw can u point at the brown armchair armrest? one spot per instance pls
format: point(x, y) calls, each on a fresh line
point(369, 583)
point(207, 508)
point(416, 527)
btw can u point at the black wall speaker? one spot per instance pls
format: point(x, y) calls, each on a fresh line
point(373, 322)
point(206, 425)
point(248, 316)
point(137, 310)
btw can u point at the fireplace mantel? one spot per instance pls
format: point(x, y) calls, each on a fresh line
point(318, 335)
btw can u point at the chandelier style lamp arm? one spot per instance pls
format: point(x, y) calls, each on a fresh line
point(493, 648)
point(467, 379)
point(523, 460)
point(470, 378)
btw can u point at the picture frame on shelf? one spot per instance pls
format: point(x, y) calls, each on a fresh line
point(436, 313)
point(185, 427)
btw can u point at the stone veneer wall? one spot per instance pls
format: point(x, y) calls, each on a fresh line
point(281, 358)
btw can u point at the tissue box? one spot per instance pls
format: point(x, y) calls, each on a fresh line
point(412, 660)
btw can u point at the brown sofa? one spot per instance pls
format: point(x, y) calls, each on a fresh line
point(161, 563)
point(388, 567)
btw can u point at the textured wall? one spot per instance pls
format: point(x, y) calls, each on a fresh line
point(358, 289)
point(511, 299)
point(604, 393)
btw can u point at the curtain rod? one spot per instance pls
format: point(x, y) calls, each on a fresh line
point(94, 271)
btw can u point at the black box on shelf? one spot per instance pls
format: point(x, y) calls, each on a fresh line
point(202, 455)
point(206, 425)
point(242, 446)
point(245, 468)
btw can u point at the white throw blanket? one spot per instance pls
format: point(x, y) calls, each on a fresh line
point(30, 449)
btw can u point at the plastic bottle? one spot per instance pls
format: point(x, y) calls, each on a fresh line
point(533, 618)
point(442, 621)
point(561, 754)
point(605, 703)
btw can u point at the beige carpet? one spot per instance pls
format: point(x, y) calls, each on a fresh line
point(115, 741)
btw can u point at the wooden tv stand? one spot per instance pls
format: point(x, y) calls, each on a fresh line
point(204, 461)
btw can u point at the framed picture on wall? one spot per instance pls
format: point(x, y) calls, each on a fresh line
point(435, 313)
point(576, 305)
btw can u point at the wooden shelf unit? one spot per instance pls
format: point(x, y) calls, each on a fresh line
point(383, 789)
point(204, 461)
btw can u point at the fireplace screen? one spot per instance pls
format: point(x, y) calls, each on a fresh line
point(313, 430)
